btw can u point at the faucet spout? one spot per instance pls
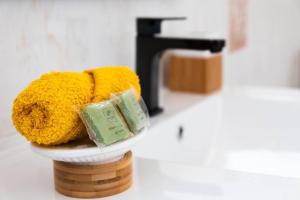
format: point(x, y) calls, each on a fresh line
point(163, 43)
point(149, 49)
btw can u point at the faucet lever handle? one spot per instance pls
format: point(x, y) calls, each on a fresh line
point(150, 26)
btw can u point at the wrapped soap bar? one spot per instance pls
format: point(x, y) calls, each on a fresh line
point(104, 123)
point(132, 111)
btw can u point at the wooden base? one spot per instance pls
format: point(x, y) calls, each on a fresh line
point(92, 181)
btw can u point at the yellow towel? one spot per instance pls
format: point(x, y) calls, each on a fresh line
point(45, 112)
point(109, 80)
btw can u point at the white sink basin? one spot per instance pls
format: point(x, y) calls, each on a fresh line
point(246, 129)
point(225, 136)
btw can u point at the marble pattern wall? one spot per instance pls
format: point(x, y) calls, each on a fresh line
point(49, 35)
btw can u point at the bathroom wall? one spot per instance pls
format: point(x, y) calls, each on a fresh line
point(41, 36)
point(272, 56)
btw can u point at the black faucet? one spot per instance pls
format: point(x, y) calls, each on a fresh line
point(149, 49)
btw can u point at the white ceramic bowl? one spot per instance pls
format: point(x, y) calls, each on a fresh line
point(85, 152)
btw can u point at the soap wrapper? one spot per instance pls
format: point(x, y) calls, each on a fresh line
point(133, 110)
point(120, 118)
point(104, 123)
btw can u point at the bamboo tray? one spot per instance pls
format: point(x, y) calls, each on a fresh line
point(93, 181)
point(83, 170)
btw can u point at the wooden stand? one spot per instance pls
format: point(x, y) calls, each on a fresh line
point(195, 74)
point(91, 181)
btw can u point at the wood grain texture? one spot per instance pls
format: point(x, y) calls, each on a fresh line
point(198, 75)
point(93, 181)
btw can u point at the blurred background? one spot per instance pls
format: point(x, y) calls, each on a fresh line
point(263, 43)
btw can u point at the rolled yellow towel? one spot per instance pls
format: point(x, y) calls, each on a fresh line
point(109, 80)
point(45, 112)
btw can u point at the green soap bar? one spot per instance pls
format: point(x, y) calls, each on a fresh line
point(132, 111)
point(105, 122)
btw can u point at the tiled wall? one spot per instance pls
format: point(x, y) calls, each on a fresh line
point(41, 36)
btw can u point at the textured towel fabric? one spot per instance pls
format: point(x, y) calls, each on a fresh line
point(46, 111)
point(110, 80)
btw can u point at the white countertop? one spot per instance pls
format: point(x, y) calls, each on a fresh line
point(25, 175)
point(177, 102)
